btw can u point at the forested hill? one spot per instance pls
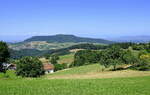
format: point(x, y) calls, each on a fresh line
point(66, 38)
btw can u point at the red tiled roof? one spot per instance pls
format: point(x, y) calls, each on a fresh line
point(48, 67)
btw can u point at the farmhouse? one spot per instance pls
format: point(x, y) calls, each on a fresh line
point(12, 67)
point(49, 68)
point(9, 66)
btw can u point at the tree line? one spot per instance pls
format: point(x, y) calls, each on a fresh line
point(113, 56)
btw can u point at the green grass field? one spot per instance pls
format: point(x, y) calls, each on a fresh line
point(94, 71)
point(83, 80)
point(69, 58)
point(80, 70)
point(112, 86)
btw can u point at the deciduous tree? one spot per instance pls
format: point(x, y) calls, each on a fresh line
point(29, 67)
point(4, 55)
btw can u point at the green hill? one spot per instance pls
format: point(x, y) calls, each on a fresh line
point(22, 49)
point(66, 38)
point(39, 45)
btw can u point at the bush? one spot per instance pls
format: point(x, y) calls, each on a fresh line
point(60, 66)
point(29, 67)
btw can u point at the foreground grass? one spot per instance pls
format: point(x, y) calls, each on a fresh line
point(115, 86)
point(82, 80)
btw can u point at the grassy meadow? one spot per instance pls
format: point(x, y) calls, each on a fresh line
point(69, 58)
point(112, 86)
point(95, 71)
point(83, 80)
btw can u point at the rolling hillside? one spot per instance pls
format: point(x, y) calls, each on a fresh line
point(41, 48)
point(40, 45)
point(94, 71)
point(54, 42)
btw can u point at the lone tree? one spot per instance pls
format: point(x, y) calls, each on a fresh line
point(4, 55)
point(29, 67)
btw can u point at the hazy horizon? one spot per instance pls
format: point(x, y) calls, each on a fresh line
point(16, 39)
point(21, 19)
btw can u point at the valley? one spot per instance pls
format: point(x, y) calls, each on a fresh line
point(81, 68)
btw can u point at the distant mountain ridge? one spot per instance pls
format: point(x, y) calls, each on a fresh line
point(61, 38)
point(135, 39)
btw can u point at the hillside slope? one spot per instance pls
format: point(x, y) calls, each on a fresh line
point(94, 71)
point(39, 45)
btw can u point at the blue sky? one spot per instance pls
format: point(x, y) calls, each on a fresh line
point(20, 19)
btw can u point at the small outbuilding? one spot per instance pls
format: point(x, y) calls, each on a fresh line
point(49, 68)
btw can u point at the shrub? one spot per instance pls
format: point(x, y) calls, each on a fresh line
point(60, 66)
